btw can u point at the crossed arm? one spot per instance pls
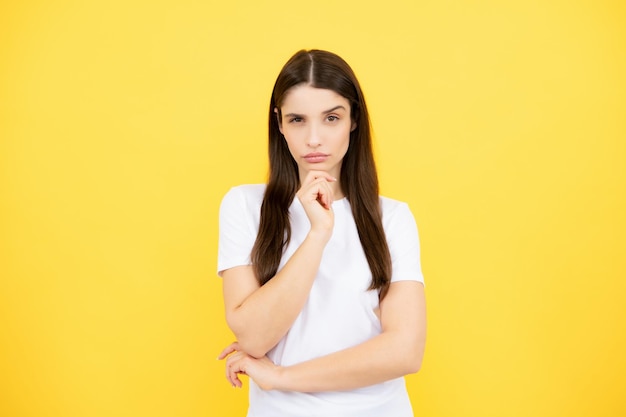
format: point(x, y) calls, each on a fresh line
point(260, 316)
point(397, 351)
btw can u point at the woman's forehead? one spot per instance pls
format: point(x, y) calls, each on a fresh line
point(307, 99)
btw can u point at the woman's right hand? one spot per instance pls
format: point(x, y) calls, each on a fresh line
point(316, 196)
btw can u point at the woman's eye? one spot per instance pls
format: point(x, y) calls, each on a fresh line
point(295, 120)
point(332, 118)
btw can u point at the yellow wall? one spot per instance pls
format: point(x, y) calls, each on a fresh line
point(122, 123)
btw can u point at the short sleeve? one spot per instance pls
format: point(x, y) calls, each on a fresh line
point(237, 231)
point(404, 246)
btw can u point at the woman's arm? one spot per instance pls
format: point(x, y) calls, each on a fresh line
point(260, 316)
point(397, 351)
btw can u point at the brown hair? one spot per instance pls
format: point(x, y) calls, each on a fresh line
point(358, 179)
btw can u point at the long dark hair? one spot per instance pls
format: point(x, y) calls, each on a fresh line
point(358, 179)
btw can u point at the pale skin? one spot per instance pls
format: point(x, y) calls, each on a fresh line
point(316, 124)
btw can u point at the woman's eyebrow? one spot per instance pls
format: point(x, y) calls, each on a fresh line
point(324, 112)
point(293, 115)
point(334, 108)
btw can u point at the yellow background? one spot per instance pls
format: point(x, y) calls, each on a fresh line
point(122, 124)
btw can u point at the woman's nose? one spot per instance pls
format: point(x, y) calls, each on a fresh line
point(313, 137)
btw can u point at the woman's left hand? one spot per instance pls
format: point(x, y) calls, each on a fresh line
point(262, 370)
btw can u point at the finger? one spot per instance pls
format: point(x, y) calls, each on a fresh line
point(230, 363)
point(233, 371)
point(319, 190)
point(227, 371)
point(324, 195)
point(238, 383)
point(327, 197)
point(315, 175)
point(233, 347)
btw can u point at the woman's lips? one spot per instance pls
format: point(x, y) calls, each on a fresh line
point(315, 158)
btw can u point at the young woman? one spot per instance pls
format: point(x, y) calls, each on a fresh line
point(322, 281)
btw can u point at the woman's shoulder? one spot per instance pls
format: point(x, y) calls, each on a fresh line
point(390, 204)
point(395, 210)
point(247, 191)
point(246, 195)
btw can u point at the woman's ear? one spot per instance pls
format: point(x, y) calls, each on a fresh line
point(278, 118)
point(354, 125)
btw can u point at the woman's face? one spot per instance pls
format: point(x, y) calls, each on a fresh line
point(316, 124)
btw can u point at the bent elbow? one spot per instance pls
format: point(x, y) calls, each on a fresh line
point(253, 349)
point(252, 340)
point(413, 359)
point(414, 366)
point(248, 343)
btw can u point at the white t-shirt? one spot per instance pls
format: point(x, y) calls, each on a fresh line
point(340, 310)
